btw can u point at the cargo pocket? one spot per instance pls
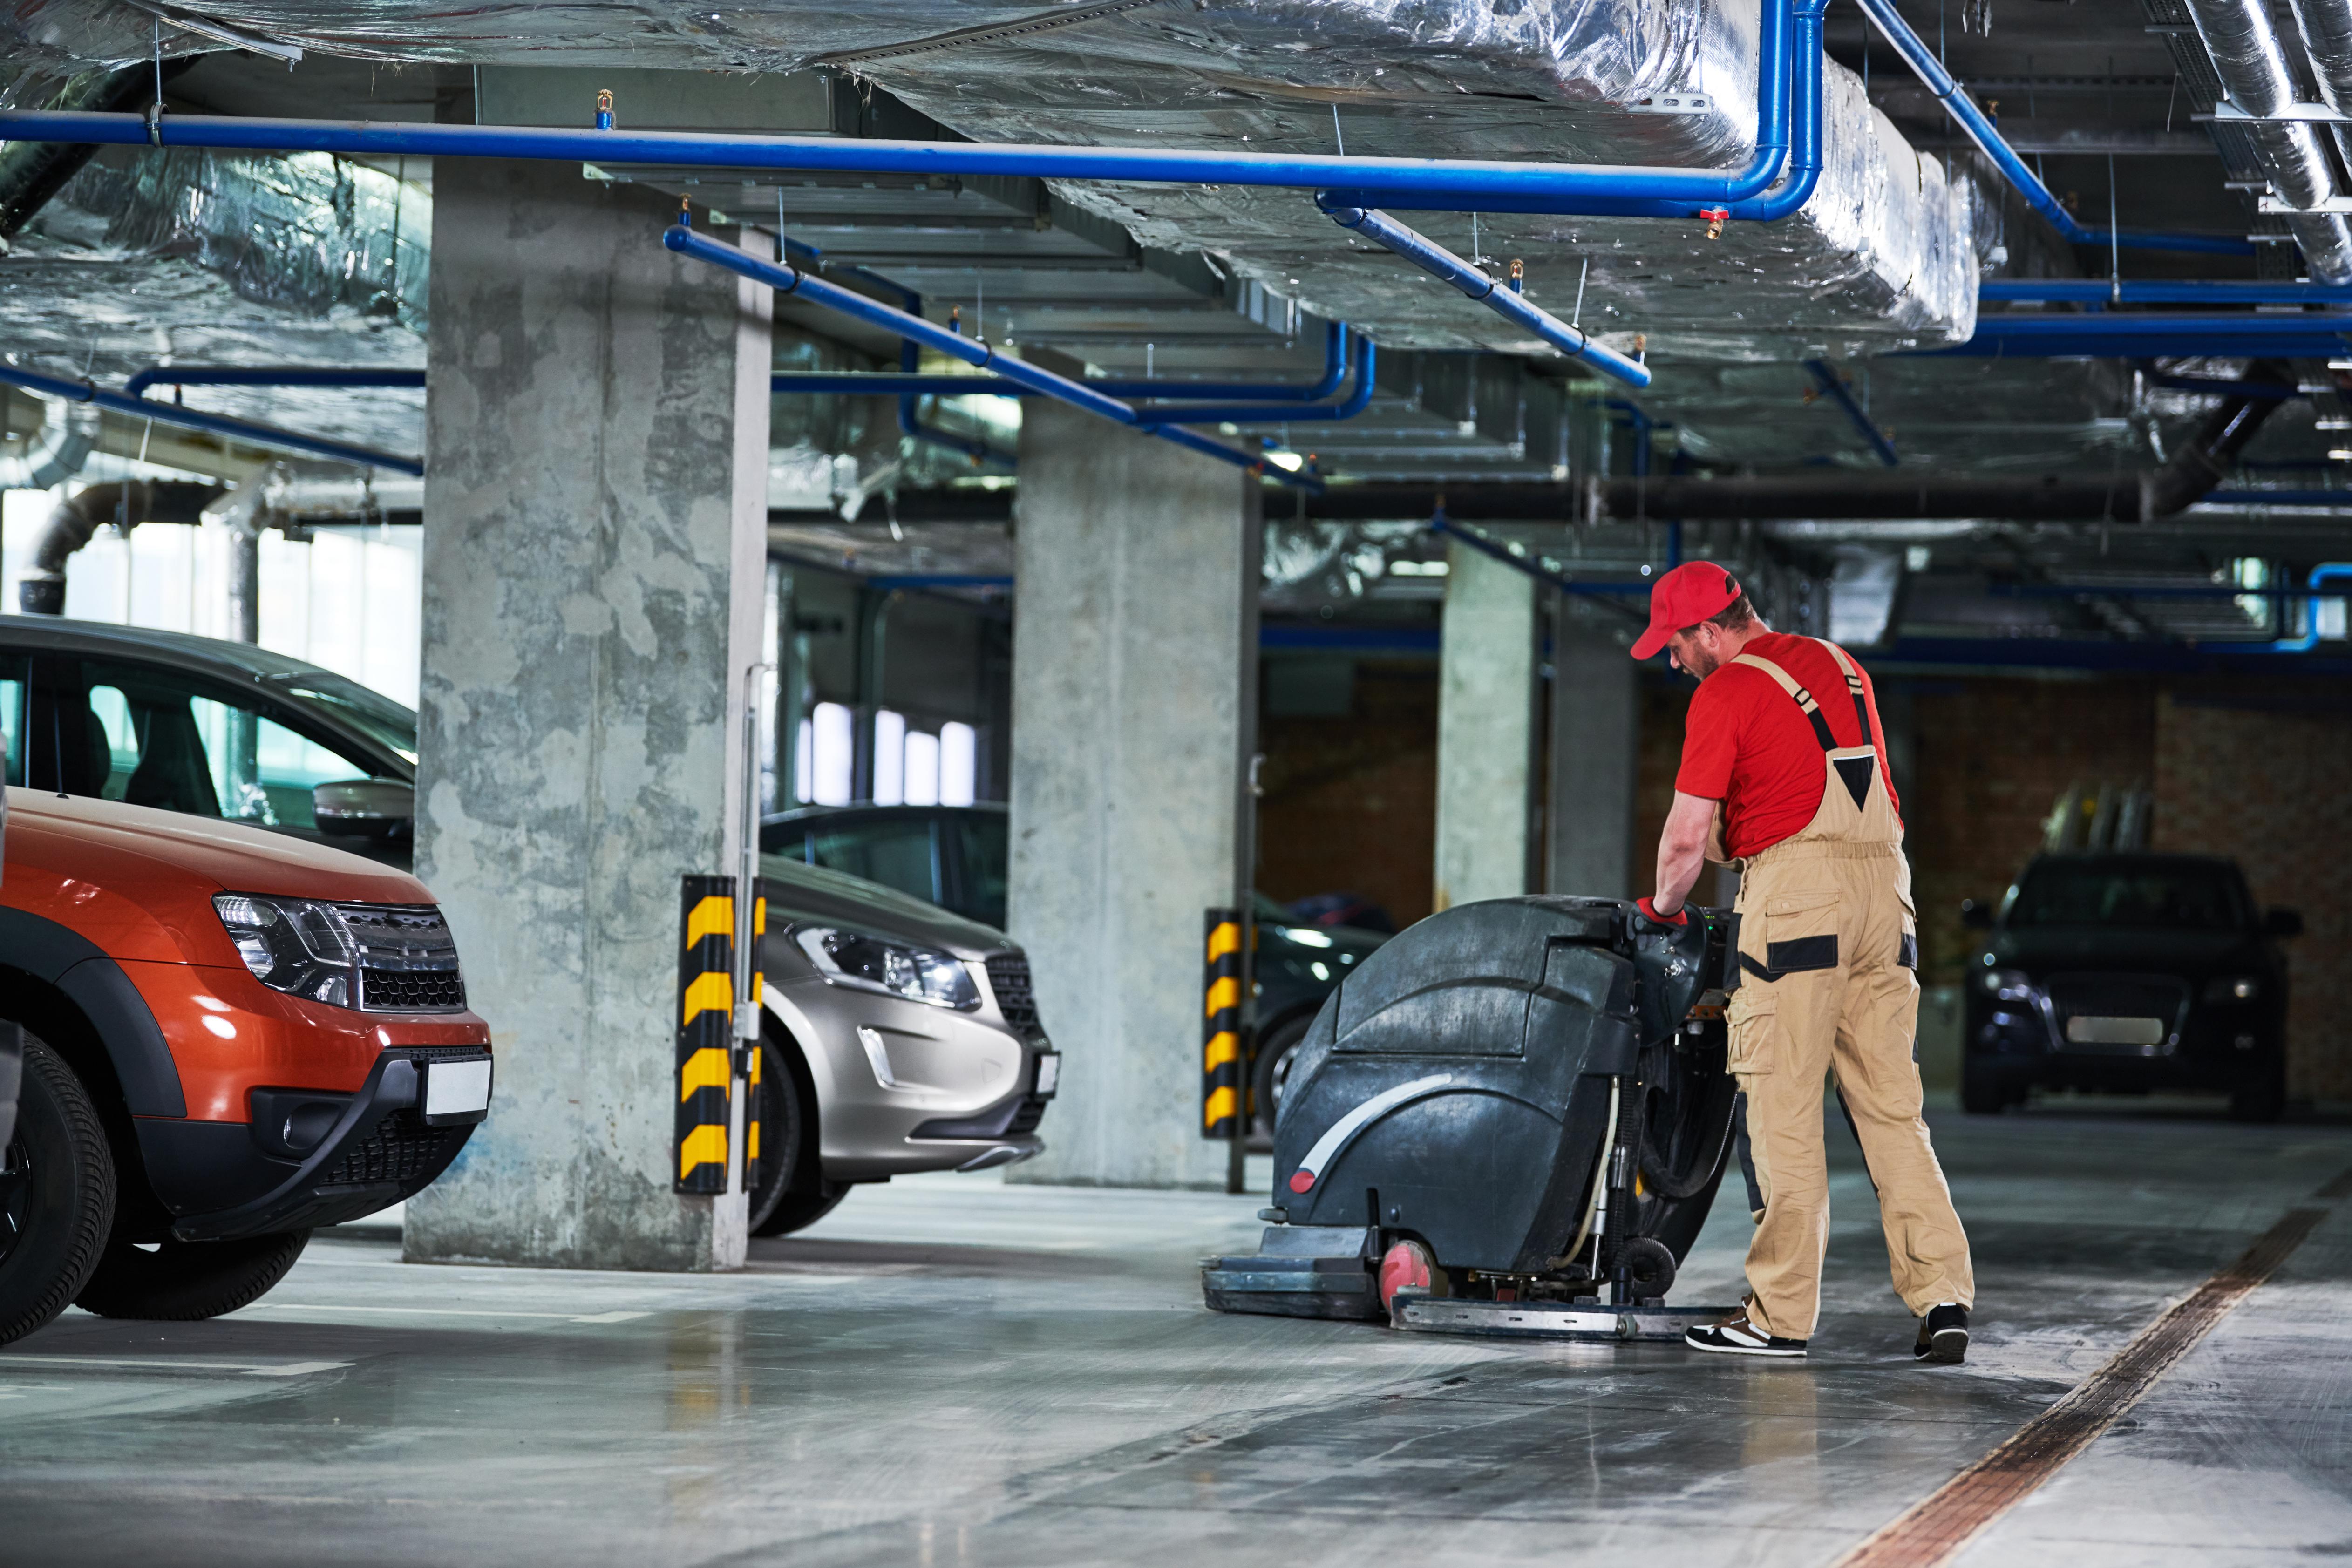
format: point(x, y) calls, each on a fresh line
point(1801, 932)
point(1754, 1018)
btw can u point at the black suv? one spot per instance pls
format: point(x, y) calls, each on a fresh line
point(2126, 973)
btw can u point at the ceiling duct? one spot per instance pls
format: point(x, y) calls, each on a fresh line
point(1884, 256)
point(68, 431)
point(2248, 59)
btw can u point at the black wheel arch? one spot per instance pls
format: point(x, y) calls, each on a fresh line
point(774, 1031)
point(60, 986)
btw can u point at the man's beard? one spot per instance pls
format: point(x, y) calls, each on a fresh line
point(1699, 662)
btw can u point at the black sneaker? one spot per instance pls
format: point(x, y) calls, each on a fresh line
point(1735, 1335)
point(1942, 1335)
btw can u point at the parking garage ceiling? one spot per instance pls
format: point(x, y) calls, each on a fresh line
point(1800, 349)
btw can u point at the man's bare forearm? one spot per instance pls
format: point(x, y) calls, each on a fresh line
point(1682, 850)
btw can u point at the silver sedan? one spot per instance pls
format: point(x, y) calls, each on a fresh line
point(898, 1038)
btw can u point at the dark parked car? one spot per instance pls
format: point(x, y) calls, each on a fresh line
point(2126, 973)
point(954, 856)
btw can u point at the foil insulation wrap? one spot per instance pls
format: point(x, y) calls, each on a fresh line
point(1882, 258)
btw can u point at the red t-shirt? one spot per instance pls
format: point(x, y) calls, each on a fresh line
point(1748, 745)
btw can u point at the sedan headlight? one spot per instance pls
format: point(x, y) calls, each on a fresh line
point(894, 969)
point(2233, 988)
point(2008, 984)
point(381, 957)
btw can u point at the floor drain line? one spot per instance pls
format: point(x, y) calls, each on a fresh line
point(1932, 1531)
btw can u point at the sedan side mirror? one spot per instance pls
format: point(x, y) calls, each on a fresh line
point(2282, 923)
point(364, 808)
point(1976, 916)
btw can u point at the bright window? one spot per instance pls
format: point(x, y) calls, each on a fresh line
point(833, 751)
point(959, 764)
point(922, 769)
point(889, 757)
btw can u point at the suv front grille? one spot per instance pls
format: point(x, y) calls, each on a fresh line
point(407, 960)
point(1008, 976)
point(424, 991)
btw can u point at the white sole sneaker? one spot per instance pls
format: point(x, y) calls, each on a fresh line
point(1713, 1338)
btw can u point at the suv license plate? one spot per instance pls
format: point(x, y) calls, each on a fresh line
point(2083, 1029)
point(1049, 1072)
point(456, 1091)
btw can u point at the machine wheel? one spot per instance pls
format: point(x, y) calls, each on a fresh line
point(1982, 1093)
point(1275, 1052)
point(56, 1197)
point(1406, 1266)
point(791, 1193)
point(2261, 1095)
point(178, 1281)
point(1649, 1267)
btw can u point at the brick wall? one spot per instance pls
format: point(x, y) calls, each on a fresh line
point(2270, 791)
point(1350, 802)
point(1992, 755)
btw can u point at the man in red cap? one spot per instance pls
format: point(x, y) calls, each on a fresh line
point(1794, 792)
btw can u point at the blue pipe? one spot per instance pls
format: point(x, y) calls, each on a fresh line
point(220, 424)
point(1367, 358)
point(1833, 386)
point(914, 330)
point(1638, 418)
point(1507, 303)
point(1335, 371)
point(2198, 291)
point(2328, 571)
point(267, 376)
point(1970, 119)
point(1471, 183)
point(2149, 335)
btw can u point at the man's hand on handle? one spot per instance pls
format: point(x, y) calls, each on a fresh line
point(1682, 855)
point(1676, 916)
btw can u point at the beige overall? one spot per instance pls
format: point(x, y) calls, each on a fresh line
point(1828, 949)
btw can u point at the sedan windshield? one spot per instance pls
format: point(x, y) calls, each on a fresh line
point(2163, 897)
point(370, 713)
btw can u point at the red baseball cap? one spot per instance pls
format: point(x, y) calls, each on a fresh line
point(1685, 597)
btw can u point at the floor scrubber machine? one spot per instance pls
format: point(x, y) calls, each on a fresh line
point(1510, 1120)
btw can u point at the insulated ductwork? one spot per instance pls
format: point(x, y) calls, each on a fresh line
point(126, 503)
point(1882, 257)
point(69, 431)
point(2325, 27)
point(2191, 473)
point(2249, 59)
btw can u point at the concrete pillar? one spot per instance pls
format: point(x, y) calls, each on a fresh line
point(1486, 730)
point(1134, 707)
point(595, 513)
point(1595, 731)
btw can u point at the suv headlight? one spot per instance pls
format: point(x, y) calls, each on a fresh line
point(376, 958)
point(894, 969)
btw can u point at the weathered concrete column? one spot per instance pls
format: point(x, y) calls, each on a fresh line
point(1596, 714)
point(1134, 707)
point(595, 515)
point(1486, 730)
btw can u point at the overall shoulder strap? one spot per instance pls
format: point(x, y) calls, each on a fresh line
point(1852, 686)
point(1804, 698)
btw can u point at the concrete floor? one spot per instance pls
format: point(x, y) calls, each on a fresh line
point(955, 1371)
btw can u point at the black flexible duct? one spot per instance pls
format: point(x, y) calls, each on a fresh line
point(128, 502)
point(33, 172)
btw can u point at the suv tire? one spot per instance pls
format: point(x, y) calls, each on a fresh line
point(1276, 1054)
point(791, 1193)
point(59, 1202)
point(183, 1280)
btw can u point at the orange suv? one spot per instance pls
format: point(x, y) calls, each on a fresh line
point(231, 1037)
